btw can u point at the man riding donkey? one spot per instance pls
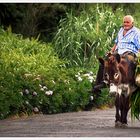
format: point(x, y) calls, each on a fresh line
point(127, 44)
point(117, 69)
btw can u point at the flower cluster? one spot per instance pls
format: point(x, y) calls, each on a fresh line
point(45, 89)
point(89, 76)
point(27, 92)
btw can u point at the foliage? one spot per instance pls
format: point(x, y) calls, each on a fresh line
point(135, 105)
point(104, 99)
point(135, 98)
point(80, 39)
point(52, 78)
point(34, 80)
point(32, 19)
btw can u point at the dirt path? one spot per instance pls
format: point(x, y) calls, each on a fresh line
point(99, 123)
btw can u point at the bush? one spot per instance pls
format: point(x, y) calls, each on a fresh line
point(33, 79)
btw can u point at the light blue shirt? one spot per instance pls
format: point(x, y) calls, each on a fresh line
point(129, 42)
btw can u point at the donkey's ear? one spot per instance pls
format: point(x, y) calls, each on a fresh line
point(118, 58)
point(101, 60)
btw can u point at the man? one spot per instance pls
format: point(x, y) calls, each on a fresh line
point(126, 43)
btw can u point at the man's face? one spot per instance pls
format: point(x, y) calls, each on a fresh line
point(127, 23)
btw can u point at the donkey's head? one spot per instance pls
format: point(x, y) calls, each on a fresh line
point(111, 70)
point(117, 73)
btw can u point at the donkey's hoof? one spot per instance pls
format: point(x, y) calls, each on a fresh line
point(124, 125)
point(118, 124)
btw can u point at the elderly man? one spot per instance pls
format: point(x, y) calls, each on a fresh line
point(126, 43)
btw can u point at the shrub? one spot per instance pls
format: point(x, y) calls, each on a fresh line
point(33, 79)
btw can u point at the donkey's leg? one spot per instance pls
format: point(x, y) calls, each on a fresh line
point(126, 108)
point(125, 113)
point(124, 118)
point(117, 116)
point(122, 102)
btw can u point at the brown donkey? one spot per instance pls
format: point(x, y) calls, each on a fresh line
point(119, 74)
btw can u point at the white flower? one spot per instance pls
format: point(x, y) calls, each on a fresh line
point(90, 78)
point(49, 92)
point(76, 75)
point(21, 93)
point(69, 89)
point(91, 73)
point(53, 82)
point(87, 75)
point(35, 109)
point(44, 87)
point(27, 103)
point(66, 81)
point(26, 91)
point(40, 102)
point(91, 98)
point(79, 79)
point(35, 93)
point(40, 85)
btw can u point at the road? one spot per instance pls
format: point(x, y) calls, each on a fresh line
point(98, 123)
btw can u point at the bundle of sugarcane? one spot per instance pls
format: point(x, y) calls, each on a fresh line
point(135, 98)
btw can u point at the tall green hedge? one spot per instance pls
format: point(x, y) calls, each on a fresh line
point(33, 79)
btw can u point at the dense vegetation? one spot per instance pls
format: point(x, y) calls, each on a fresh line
point(34, 79)
point(51, 67)
point(80, 39)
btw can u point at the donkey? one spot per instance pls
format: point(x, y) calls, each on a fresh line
point(119, 74)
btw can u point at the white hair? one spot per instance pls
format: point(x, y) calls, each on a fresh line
point(130, 17)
